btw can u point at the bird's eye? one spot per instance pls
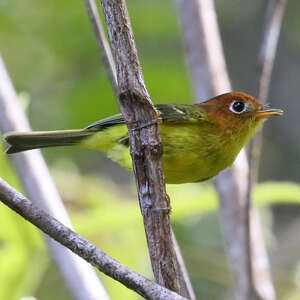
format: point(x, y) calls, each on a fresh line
point(238, 107)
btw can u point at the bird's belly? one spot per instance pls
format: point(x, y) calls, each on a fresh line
point(180, 166)
point(189, 155)
point(191, 172)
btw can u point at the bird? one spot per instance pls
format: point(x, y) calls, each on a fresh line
point(199, 140)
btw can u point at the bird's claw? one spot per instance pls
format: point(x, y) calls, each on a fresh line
point(168, 208)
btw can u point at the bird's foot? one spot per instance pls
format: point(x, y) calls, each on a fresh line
point(135, 127)
point(167, 209)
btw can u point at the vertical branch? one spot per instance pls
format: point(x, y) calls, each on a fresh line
point(109, 63)
point(268, 48)
point(79, 277)
point(266, 58)
point(107, 57)
point(209, 75)
point(203, 48)
point(146, 151)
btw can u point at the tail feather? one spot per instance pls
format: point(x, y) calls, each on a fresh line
point(18, 141)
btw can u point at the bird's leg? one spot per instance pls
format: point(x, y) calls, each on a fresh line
point(168, 208)
point(134, 126)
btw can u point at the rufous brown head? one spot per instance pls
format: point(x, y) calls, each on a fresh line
point(236, 109)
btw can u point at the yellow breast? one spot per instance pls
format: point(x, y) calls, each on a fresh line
point(190, 154)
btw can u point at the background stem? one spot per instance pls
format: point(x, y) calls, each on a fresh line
point(80, 278)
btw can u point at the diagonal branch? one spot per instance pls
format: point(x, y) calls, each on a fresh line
point(79, 277)
point(209, 76)
point(82, 247)
point(146, 151)
point(106, 55)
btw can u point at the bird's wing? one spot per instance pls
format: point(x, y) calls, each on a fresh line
point(179, 113)
point(107, 122)
point(169, 113)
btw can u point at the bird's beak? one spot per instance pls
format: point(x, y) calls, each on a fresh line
point(268, 113)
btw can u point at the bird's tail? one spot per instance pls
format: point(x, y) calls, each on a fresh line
point(19, 141)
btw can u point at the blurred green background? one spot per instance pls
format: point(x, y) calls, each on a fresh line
point(52, 57)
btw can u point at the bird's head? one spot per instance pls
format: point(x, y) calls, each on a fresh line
point(236, 111)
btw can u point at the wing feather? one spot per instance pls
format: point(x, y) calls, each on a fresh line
point(170, 113)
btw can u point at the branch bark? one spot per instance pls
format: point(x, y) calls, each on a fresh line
point(146, 151)
point(82, 247)
point(209, 76)
point(78, 276)
point(105, 53)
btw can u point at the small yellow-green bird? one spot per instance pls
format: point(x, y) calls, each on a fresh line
point(199, 140)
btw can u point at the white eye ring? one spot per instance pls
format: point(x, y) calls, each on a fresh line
point(238, 107)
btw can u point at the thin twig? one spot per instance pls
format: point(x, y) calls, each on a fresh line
point(208, 70)
point(266, 59)
point(82, 247)
point(103, 44)
point(184, 281)
point(79, 277)
point(283, 265)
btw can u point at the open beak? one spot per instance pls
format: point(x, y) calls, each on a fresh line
point(268, 113)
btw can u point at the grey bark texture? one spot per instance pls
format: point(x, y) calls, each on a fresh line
point(266, 58)
point(146, 151)
point(273, 22)
point(207, 65)
point(79, 277)
point(107, 57)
